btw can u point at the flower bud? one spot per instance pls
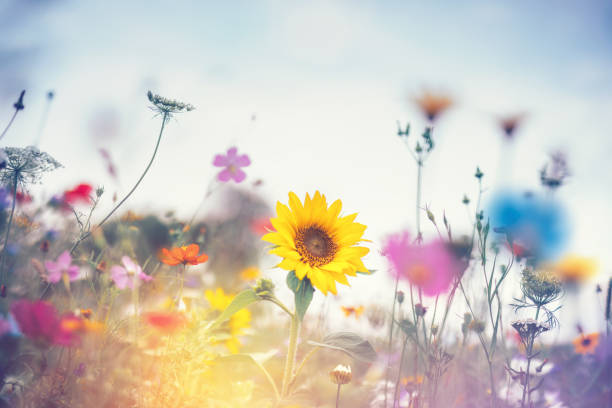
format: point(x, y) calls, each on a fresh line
point(341, 375)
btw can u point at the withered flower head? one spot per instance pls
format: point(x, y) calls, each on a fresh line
point(168, 106)
point(529, 329)
point(341, 375)
point(555, 172)
point(25, 166)
point(433, 104)
point(510, 123)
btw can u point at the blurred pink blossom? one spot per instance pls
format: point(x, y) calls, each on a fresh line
point(62, 265)
point(430, 267)
point(232, 162)
point(39, 321)
point(123, 276)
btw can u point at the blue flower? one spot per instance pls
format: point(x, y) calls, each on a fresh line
point(537, 223)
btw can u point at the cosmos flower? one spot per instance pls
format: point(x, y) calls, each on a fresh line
point(536, 223)
point(165, 322)
point(62, 266)
point(182, 255)
point(79, 194)
point(431, 267)
point(123, 276)
point(39, 321)
point(586, 343)
point(316, 243)
point(232, 163)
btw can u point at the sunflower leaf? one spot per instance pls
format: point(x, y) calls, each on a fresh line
point(351, 344)
point(242, 300)
point(303, 291)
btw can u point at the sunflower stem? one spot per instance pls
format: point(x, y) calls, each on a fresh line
point(291, 353)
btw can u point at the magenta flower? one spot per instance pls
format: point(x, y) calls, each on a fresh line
point(63, 265)
point(39, 321)
point(232, 163)
point(123, 276)
point(430, 267)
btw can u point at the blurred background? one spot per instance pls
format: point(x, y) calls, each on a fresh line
point(312, 92)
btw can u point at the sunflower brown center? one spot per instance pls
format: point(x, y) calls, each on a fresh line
point(315, 246)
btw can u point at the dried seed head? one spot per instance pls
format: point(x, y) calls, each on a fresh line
point(529, 329)
point(341, 375)
point(168, 106)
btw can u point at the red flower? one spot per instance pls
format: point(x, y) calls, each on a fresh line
point(79, 194)
point(261, 226)
point(182, 255)
point(166, 322)
point(23, 198)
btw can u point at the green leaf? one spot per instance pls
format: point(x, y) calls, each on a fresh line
point(369, 272)
point(303, 291)
point(242, 300)
point(350, 343)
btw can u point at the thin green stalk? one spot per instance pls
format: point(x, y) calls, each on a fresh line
point(88, 233)
point(291, 353)
point(399, 372)
point(391, 336)
point(8, 228)
point(529, 351)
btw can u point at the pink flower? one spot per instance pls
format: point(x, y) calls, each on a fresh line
point(430, 267)
point(123, 276)
point(39, 321)
point(232, 163)
point(61, 266)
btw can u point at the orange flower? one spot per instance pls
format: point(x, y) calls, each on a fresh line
point(433, 105)
point(586, 343)
point(167, 322)
point(182, 255)
point(348, 310)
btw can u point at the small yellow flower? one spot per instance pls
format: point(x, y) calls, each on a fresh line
point(575, 268)
point(250, 273)
point(239, 321)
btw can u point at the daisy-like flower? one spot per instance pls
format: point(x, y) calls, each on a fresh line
point(182, 255)
point(123, 276)
point(62, 266)
point(316, 243)
point(341, 374)
point(586, 343)
point(431, 267)
point(232, 162)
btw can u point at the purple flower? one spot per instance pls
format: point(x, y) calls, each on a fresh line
point(123, 276)
point(5, 326)
point(63, 265)
point(232, 163)
point(5, 198)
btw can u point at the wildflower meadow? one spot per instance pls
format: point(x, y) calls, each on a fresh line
point(296, 270)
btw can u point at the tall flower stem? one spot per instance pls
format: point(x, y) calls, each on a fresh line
point(9, 124)
point(399, 372)
point(8, 229)
point(294, 331)
point(88, 233)
point(338, 396)
point(418, 196)
point(391, 336)
point(529, 351)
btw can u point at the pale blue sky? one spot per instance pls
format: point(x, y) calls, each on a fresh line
point(327, 81)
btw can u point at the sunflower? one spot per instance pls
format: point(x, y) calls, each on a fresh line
point(316, 243)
